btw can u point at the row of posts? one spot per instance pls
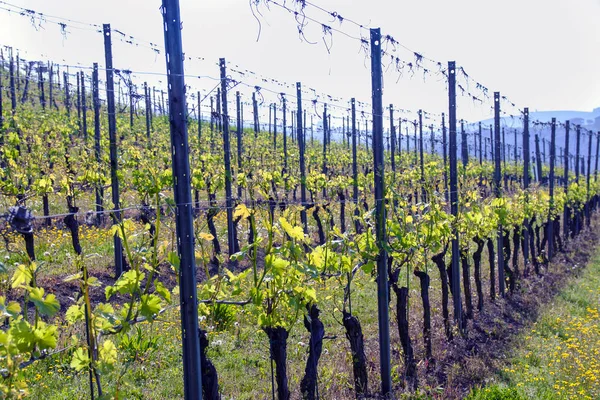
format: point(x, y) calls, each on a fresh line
point(182, 188)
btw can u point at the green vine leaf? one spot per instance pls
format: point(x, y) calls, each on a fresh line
point(80, 360)
point(46, 306)
point(150, 306)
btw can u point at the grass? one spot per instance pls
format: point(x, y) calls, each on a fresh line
point(238, 354)
point(241, 353)
point(559, 357)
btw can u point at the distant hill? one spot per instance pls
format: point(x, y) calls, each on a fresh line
point(588, 120)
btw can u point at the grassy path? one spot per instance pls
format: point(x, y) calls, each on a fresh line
point(559, 356)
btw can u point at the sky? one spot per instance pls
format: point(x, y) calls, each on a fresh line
point(541, 54)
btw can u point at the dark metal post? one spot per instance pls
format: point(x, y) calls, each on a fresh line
point(293, 135)
point(354, 167)
point(415, 143)
point(18, 71)
point(480, 149)
point(151, 107)
point(269, 119)
point(255, 111)
point(393, 138)
point(242, 116)
point(454, 195)
point(159, 110)
point(492, 146)
point(285, 163)
point(329, 131)
point(51, 84)
point(231, 234)
point(577, 153)
point(560, 156)
point(325, 146)
point(445, 154)
point(538, 160)
point(155, 105)
point(474, 144)
point(344, 130)
point(13, 90)
point(504, 171)
point(192, 376)
point(78, 101)
point(526, 184)
point(503, 147)
point(212, 118)
point(199, 99)
point(464, 145)
point(147, 101)
point(551, 190)
point(83, 107)
point(119, 93)
point(516, 152)
point(274, 126)
point(112, 136)
point(422, 164)
point(566, 212)
point(41, 84)
point(498, 190)
point(486, 140)
point(67, 93)
point(432, 139)
point(219, 121)
point(399, 142)
point(1, 102)
point(97, 148)
point(239, 139)
point(589, 170)
point(312, 131)
point(382, 278)
point(387, 136)
point(301, 146)
point(131, 105)
point(597, 154)
point(344, 136)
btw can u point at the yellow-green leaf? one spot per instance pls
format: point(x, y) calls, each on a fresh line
point(80, 360)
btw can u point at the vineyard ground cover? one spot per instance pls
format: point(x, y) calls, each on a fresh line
point(55, 251)
point(242, 359)
point(557, 355)
point(302, 267)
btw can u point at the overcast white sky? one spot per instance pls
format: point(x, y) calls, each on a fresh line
point(540, 53)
